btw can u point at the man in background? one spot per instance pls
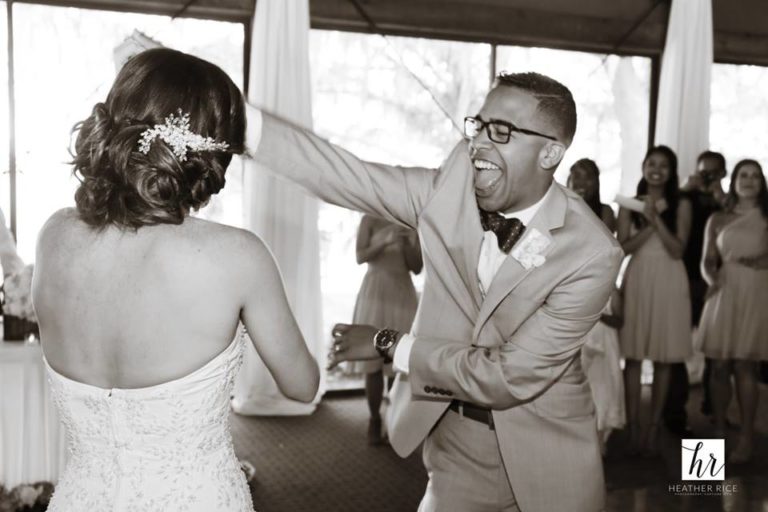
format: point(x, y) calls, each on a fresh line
point(704, 191)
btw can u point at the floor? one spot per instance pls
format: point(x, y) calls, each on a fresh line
point(322, 463)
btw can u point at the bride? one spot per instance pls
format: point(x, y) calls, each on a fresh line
point(139, 303)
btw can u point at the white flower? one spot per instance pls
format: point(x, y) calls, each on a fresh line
point(529, 251)
point(28, 494)
point(17, 289)
point(176, 133)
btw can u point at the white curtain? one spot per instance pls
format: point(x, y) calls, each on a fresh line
point(682, 117)
point(631, 104)
point(33, 446)
point(280, 213)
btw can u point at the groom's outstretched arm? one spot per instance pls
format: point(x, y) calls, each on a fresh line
point(533, 359)
point(336, 175)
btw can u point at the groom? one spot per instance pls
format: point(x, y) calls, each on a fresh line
point(489, 378)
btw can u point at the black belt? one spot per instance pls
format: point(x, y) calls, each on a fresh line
point(473, 412)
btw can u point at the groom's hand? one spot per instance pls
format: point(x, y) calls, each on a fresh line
point(352, 343)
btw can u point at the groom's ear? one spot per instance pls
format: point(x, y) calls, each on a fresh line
point(551, 155)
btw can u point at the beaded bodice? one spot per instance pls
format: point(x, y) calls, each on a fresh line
point(160, 448)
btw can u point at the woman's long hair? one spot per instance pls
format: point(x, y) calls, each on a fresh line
point(594, 199)
point(732, 199)
point(671, 190)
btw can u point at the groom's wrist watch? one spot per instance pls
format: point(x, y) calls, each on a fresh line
point(384, 340)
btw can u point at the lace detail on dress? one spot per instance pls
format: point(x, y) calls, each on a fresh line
point(161, 448)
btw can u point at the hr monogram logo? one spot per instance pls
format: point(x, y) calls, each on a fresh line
point(703, 459)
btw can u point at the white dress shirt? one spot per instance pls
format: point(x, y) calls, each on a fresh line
point(491, 259)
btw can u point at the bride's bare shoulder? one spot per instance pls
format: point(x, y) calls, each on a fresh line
point(58, 223)
point(231, 243)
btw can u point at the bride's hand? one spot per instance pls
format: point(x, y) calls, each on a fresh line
point(352, 343)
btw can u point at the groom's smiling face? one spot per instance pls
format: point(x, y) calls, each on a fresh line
point(508, 177)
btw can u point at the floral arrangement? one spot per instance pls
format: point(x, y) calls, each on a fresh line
point(17, 291)
point(26, 497)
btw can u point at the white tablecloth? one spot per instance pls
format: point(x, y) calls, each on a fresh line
point(32, 442)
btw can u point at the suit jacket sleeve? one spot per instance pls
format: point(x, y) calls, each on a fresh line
point(535, 356)
point(338, 177)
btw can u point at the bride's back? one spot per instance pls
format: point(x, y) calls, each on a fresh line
point(138, 302)
point(133, 309)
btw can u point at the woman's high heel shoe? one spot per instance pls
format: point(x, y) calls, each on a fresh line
point(652, 440)
point(375, 437)
point(742, 453)
point(633, 447)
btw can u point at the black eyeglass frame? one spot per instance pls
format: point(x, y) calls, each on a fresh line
point(477, 124)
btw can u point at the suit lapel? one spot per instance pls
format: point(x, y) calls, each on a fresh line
point(457, 228)
point(472, 255)
point(551, 216)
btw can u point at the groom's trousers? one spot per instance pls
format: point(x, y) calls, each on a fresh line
point(466, 473)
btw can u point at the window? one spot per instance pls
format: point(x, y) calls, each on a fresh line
point(64, 65)
point(738, 121)
point(5, 190)
point(612, 104)
point(365, 99)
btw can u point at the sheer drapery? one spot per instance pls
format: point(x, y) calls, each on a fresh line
point(279, 212)
point(682, 118)
point(32, 441)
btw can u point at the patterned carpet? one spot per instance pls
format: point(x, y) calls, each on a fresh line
point(323, 463)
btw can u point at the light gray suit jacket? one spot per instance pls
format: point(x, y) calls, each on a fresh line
point(517, 349)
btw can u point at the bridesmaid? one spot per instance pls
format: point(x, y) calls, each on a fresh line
point(600, 353)
point(734, 323)
point(387, 297)
point(657, 307)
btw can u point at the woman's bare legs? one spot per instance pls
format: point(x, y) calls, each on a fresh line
point(745, 373)
point(632, 397)
point(374, 391)
point(659, 390)
point(720, 393)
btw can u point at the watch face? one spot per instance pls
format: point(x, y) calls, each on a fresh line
point(381, 339)
point(385, 338)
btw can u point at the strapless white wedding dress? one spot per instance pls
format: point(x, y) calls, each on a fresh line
point(163, 448)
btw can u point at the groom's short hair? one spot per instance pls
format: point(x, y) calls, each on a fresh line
point(556, 103)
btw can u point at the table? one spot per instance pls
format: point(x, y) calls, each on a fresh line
point(32, 441)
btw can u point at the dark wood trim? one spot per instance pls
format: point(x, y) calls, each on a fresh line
point(501, 25)
point(209, 12)
point(430, 33)
point(11, 119)
point(654, 98)
point(247, 45)
point(494, 64)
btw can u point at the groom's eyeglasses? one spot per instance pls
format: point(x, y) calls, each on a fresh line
point(498, 131)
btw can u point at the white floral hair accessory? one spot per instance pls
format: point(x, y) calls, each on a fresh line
point(176, 133)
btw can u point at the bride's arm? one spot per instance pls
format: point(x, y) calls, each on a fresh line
point(270, 321)
point(335, 175)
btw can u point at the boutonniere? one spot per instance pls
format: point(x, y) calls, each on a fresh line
point(529, 251)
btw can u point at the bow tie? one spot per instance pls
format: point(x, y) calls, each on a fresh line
point(508, 231)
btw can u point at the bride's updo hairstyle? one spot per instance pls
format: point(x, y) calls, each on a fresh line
point(128, 188)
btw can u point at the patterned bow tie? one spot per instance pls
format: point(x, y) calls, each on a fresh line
point(508, 231)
